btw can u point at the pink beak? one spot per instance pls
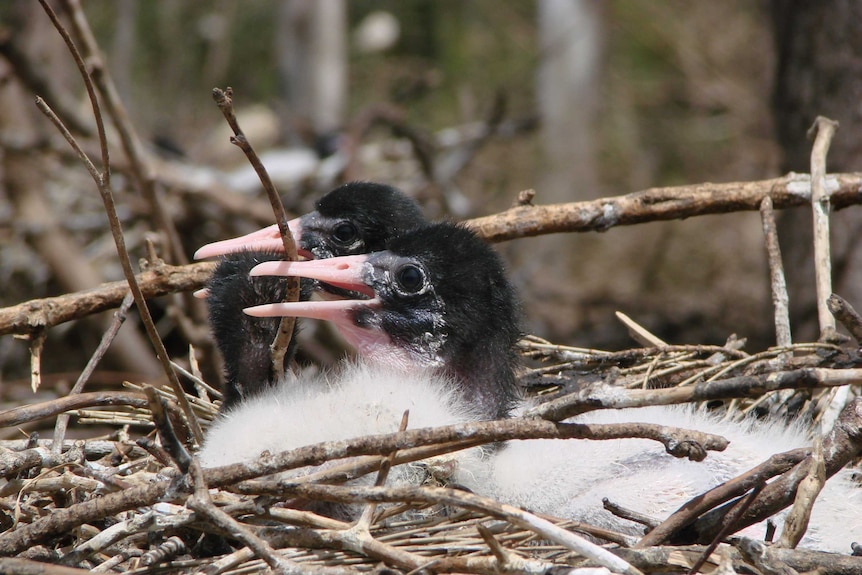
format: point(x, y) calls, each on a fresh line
point(266, 239)
point(345, 272)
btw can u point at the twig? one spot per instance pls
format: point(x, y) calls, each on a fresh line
point(659, 559)
point(107, 338)
point(629, 514)
point(34, 315)
point(742, 386)
point(757, 553)
point(639, 207)
point(822, 130)
point(776, 274)
point(361, 528)
point(37, 344)
point(224, 100)
point(775, 465)
point(796, 522)
point(37, 411)
point(639, 333)
point(103, 183)
point(201, 503)
point(37, 457)
point(93, 448)
point(849, 318)
point(735, 513)
point(523, 519)
point(109, 536)
point(16, 566)
point(167, 436)
point(658, 204)
point(62, 520)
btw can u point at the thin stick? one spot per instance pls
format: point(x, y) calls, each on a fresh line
point(34, 315)
point(823, 129)
point(107, 338)
point(103, 183)
point(278, 349)
point(639, 333)
point(659, 204)
point(776, 274)
point(37, 344)
point(849, 317)
point(741, 386)
point(521, 518)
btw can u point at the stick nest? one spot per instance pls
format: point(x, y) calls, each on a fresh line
point(118, 499)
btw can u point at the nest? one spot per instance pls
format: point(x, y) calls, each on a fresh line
point(131, 499)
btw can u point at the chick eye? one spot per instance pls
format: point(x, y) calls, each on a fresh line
point(411, 278)
point(344, 232)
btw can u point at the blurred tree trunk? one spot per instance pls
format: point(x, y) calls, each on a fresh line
point(571, 42)
point(819, 72)
point(312, 62)
point(568, 86)
point(123, 49)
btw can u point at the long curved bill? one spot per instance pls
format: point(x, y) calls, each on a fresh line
point(346, 272)
point(335, 311)
point(266, 239)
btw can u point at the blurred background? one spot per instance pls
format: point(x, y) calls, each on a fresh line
point(460, 103)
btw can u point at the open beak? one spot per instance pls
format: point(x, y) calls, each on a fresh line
point(266, 239)
point(346, 272)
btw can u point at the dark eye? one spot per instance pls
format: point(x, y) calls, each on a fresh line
point(411, 278)
point(344, 232)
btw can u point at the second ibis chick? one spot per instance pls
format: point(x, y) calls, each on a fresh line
point(358, 217)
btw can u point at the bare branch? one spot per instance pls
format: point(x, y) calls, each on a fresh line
point(742, 386)
point(776, 274)
point(107, 338)
point(823, 129)
point(849, 317)
point(103, 183)
point(34, 315)
point(224, 100)
point(658, 204)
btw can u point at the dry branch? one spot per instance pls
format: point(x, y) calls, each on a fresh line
point(840, 446)
point(62, 520)
point(823, 130)
point(776, 274)
point(733, 387)
point(658, 559)
point(849, 317)
point(278, 347)
point(35, 315)
point(651, 205)
point(659, 204)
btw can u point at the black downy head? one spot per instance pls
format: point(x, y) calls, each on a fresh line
point(437, 297)
point(356, 218)
point(353, 218)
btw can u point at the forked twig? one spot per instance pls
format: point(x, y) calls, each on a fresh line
point(103, 183)
point(224, 100)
